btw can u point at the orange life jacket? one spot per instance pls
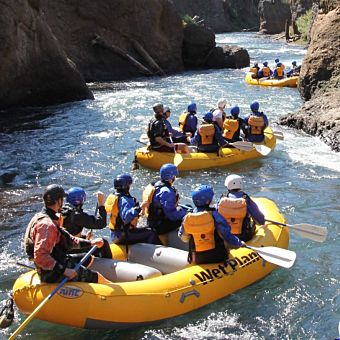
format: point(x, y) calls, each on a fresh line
point(182, 120)
point(253, 70)
point(256, 124)
point(234, 210)
point(111, 207)
point(266, 71)
point(279, 71)
point(207, 133)
point(230, 126)
point(201, 227)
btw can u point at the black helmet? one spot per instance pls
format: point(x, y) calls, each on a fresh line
point(53, 193)
point(158, 108)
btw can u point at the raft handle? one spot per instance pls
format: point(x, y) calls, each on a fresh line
point(187, 294)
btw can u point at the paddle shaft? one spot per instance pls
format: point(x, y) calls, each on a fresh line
point(42, 304)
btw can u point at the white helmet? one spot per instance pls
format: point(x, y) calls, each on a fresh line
point(221, 103)
point(233, 182)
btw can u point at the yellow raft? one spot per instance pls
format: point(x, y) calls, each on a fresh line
point(126, 304)
point(198, 160)
point(288, 82)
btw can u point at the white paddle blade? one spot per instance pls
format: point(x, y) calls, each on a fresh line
point(281, 257)
point(262, 149)
point(312, 232)
point(144, 138)
point(245, 146)
point(279, 135)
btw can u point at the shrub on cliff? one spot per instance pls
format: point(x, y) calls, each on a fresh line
point(304, 23)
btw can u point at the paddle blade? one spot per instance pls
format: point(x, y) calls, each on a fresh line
point(245, 146)
point(281, 257)
point(312, 232)
point(279, 135)
point(262, 149)
point(144, 138)
point(178, 159)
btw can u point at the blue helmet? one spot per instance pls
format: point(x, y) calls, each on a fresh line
point(202, 195)
point(208, 117)
point(265, 63)
point(294, 63)
point(168, 172)
point(254, 106)
point(277, 60)
point(192, 107)
point(235, 110)
point(122, 182)
point(278, 64)
point(76, 196)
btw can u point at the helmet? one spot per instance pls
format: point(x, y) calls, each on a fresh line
point(254, 106)
point(294, 63)
point(202, 195)
point(76, 196)
point(192, 107)
point(158, 107)
point(235, 110)
point(208, 117)
point(166, 109)
point(233, 182)
point(53, 193)
point(168, 172)
point(278, 64)
point(256, 64)
point(265, 63)
point(122, 182)
point(277, 60)
point(221, 103)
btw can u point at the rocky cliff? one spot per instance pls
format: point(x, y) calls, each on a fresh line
point(319, 82)
point(33, 65)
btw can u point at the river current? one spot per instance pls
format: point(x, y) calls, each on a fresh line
point(88, 143)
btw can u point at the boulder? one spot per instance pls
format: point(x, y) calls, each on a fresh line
point(319, 116)
point(34, 67)
point(273, 16)
point(105, 39)
point(321, 66)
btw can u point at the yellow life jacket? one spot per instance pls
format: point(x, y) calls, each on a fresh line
point(147, 197)
point(279, 71)
point(230, 126)
point(182, 120)
point(253, 70)
point(201, 227)
point(266, 71)
point(207, 133)
point(234, 210)
point(111, 207)
point(256, 124)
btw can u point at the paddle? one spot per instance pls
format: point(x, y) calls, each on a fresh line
point(262, 149)
point(242, 145)
point(43, 303)
point(309, 231)
point(281, 257)
point(279, 135)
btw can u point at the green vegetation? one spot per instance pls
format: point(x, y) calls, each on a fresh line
point(187, 19)
point(304, 23)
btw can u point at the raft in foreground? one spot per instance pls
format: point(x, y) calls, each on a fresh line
point(285, 82)
point(199, 160)
point(126, 304)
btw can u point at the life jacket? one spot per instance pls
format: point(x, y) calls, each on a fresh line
point(266, 71)
point(60, 249)
point(68, 213)
point(165, 131)
point(148, 195)
point(256, 124)
point(182, 119)
point(201, 227)
point(253, 70)
point(207, 133)
point(111, 207)
point(230, 126)
point(234, 210)
point(279, 71)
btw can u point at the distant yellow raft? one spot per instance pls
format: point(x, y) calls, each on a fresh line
point(126, 304)
point(199, 160)
point(288, 82)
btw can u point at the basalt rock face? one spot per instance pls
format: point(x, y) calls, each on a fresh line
point(222, 15)
point(273, 16)
point(319, 82)
point(200, 50)
point(100, 36)
point(34, 68)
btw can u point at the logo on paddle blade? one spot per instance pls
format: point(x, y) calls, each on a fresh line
point(70, 292)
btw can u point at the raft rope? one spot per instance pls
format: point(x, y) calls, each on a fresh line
point(7, 313)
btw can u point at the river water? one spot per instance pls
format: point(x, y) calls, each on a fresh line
point(88, 143)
